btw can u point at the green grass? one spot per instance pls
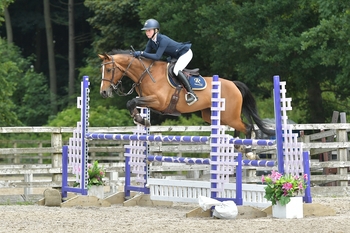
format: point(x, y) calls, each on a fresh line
point(17, 203)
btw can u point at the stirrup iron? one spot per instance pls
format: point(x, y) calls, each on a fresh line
point(190, 98)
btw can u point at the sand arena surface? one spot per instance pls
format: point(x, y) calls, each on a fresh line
point(117, 218)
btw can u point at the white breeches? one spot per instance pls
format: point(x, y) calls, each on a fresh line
point(183, 61)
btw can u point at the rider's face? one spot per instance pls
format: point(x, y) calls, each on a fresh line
point(149, 33)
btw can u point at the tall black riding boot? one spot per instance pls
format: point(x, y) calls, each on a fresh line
point(190, 97)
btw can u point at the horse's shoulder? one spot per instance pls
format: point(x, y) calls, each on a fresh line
point(159, 63)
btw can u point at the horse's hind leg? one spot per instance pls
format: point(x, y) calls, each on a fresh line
point(240, 126)
point(249, 153)
point(131, 106)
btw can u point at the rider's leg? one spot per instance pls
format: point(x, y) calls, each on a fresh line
point(181, 64)
point(191, 97)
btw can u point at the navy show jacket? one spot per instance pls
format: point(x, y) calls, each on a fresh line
point(165, 46)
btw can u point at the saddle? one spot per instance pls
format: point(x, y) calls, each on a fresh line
point(196, 81)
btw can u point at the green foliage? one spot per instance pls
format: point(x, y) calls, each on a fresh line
point(117, 22)
point(112, 117)
point(183, 120)
point(118, 26)
point(98, 117)
point(9, 202)
point(32, 98)
point(66, 118)
point(9, 73)
point(24, 93)
point(266, 109)
point(3, 4)
point(96, 175)
point(303, 41)
point(328, 43)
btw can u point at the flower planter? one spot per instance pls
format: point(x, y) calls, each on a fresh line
point(294, 209)
point(97, 191)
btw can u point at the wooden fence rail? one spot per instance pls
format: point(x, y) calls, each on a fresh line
point(15, 152)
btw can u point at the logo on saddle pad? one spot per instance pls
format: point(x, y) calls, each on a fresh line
point(196, 81)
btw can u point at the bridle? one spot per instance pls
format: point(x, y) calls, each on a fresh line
point(118, 87)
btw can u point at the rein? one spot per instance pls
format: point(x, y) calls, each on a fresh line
point(118, 87)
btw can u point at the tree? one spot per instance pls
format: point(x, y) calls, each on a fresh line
point(28, 26)
point(71, 50)
point(328, 45)
point(8, 71)
point(9, 33)
point(23, 92)
point(32, 97)
point(117, 26)
point(51, 56)
point(304, 42)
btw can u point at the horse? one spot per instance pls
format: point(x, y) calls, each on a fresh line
point(152, 86)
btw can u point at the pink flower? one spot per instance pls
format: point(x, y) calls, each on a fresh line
point(263, 178)
point(300, 186)
point(275, 175)
point(287, 186)
point(305, 177)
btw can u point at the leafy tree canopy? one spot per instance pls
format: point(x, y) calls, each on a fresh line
point(305, 42)
point(23, 92)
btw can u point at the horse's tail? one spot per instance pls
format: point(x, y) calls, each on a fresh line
point(250, 110)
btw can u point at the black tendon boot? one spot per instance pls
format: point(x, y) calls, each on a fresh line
point(190, 97)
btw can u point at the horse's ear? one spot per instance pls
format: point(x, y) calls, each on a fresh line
point(104, 56)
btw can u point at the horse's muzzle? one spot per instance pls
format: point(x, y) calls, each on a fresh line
point(104, 94)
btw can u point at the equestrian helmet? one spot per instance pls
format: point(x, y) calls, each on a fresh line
point(151, 24)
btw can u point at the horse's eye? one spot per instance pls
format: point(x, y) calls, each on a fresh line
point(109, 70)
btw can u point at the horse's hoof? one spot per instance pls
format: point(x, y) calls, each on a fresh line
point(240, 148)
point(252, 156)
point(142, 121)
point(147, 123)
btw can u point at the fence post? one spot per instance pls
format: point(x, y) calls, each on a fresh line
point(342, 153)
point(40, 154)
point(16, 158)
point(56, 160)
point(28, 178)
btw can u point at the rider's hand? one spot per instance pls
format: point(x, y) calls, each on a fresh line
point(137, 53)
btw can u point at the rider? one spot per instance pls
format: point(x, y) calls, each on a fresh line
point(162, 44)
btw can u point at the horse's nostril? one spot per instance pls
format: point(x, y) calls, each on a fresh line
point(103, 94)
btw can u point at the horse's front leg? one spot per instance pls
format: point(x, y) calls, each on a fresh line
point(131, 106)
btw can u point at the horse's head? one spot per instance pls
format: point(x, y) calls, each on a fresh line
point(113, 68)
point(109, 75)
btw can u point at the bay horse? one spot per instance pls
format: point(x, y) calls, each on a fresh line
point(155, 92)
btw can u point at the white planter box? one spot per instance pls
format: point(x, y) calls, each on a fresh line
point(97, 191)
point(294, 209)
